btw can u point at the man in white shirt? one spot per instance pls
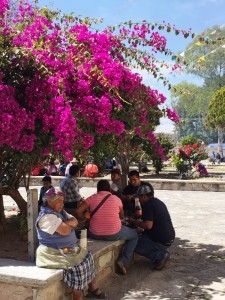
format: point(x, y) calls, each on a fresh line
point(72, 162)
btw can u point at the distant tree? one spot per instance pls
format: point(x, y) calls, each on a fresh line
point(205, 58)
point(216, 116)
point(166, 144)
point(190, 140)
point(190, 102)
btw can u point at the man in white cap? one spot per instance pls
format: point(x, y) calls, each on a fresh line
point(158, 233)
point(72, 162)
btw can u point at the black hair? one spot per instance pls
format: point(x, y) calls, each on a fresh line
point(116, 171)
point(152, 190)
point(133, 173)
point(103, 185)
point(73, 170)
point(47, 178)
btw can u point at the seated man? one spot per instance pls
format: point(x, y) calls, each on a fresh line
point(116, 183)
point(105, 224)
point(158, 232)
point(130, 191)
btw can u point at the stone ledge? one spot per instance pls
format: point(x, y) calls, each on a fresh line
point(27, 274)
point(23, 280)
point(158, 184)
point(187, 185)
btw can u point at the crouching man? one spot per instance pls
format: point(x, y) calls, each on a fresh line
point(158, 234)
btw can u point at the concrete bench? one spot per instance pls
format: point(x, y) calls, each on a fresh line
point(22, 280)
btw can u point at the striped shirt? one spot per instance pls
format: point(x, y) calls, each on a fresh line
point(106, 221)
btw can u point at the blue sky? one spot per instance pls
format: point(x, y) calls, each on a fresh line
point(196, 14)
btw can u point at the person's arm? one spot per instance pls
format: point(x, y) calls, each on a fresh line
point(142, 224)
point(121, 213)
point(40, 196)
point(79, 211)
point(50, 223)
point(66, 227)
point(128, 197)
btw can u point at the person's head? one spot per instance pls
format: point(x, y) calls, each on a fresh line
point(54, 199)
point(134, 178)
point(144, 193)
point(103, 185)
point(47, 181)
point(74, 161)
point(115, 175)
point(74, 171)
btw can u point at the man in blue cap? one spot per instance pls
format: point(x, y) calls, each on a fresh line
point(158, 234)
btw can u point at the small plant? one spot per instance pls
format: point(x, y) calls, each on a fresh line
point(182, 165)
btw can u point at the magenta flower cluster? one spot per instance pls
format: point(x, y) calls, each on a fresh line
point(71, 83)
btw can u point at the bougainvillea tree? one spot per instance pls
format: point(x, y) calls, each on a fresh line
point(62, 84)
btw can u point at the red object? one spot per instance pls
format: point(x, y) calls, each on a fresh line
point(91, 170)
point(37, 170)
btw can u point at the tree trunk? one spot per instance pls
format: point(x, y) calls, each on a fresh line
point(123, 157)
point(2, 217)
point(15, 195)
point(220, 141)
point(124, 162)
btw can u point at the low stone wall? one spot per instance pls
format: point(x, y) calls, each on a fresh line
point(21, 280)
point(188, 185)
point(158, 184)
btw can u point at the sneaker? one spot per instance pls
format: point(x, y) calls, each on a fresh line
point(121, 267)
point(161, 264)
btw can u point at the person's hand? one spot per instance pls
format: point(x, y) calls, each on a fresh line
point(131, 220)
point(72, 222)
point(130, 197)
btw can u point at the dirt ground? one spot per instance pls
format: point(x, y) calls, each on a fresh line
point(14, 247)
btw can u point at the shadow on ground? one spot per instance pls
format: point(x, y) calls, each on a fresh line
point(194, 271)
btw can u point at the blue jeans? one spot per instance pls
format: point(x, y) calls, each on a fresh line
point(125, 233)
point(150, 249)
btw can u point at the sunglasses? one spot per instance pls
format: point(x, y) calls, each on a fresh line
point(54, 192)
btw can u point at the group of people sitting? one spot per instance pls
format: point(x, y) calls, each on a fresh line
point(58, 244)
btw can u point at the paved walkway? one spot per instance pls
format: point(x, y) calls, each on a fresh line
point(196, 269)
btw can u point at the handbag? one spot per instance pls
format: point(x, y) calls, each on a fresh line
point(47, 257)
point(90, 215)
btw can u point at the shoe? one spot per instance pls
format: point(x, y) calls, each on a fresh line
point(97, 293)
point(121, 267)
point(161, 264)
